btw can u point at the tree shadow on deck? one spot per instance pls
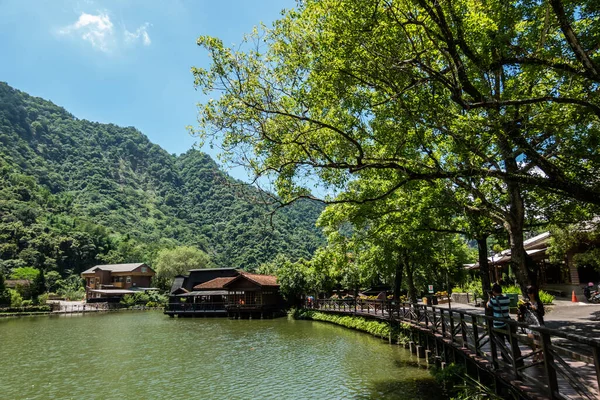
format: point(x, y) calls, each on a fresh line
point(588, 328)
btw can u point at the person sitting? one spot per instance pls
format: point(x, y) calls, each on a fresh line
point(587, 291)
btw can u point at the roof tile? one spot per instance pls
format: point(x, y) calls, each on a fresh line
point(216, 283)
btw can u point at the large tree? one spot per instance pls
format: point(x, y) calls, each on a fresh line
point(498, 98)
point(178, 261)
point(409, 235)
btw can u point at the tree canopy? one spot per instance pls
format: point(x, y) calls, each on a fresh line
point(178, 261)
point(497, 100)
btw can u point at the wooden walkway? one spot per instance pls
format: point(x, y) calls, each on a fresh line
point(563, 366)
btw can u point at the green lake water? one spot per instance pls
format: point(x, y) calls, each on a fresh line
point(146, 355)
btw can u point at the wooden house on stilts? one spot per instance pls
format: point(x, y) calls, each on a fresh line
point(222, 292)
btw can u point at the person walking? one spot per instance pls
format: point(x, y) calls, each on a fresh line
point(499, 303)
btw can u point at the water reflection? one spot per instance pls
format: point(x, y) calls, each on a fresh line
point(147, 355)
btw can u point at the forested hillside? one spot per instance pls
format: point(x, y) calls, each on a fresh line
point(75, 193)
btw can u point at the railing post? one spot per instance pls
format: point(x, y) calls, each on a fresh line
point(463, 329)
point(492, 336)
point(548, 365)
point(451, 325)
point(475, 334)
point(515, 351)
point(596, 355)
point(443, 323)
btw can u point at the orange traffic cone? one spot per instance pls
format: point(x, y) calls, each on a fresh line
point(574, 297)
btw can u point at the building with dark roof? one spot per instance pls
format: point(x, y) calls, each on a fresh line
point(225, 292)
point(113, 281)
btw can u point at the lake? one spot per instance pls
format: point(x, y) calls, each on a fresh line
point(147, 355)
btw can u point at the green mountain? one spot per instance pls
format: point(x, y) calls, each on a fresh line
point(74, 193)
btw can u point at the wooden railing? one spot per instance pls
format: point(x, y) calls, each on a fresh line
point(560, 364)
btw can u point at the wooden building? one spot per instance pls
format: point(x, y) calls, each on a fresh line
point(225, 292)
point(562, 277)
point(113, 281)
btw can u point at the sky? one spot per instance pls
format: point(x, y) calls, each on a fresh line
point(125, 62)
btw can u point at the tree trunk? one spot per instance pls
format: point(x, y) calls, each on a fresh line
point(412, 292)
point(515, 219)
point(518, 258)
point(398, 279)
point(484, 267)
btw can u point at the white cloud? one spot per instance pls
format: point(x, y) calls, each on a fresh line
point(96, 29)
point(100, 32)
point(141, 33)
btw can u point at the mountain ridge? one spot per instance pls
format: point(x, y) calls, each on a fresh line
point(76, 192)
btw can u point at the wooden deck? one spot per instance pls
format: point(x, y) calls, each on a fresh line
point(570, 365)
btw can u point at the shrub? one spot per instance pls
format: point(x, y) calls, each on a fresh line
point(546, 297)
point(42, 299)
point(26, 309)
point(15, 298)
point(511, 289)
point(375, 328)
point(148, 299)
point(474, 287)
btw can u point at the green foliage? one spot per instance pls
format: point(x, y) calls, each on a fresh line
point(16, 300)
point(473, 286)
point(177, 261)
point(514, 289)
point(71, 288)
point(582, 239)
point(546, 297)
point(375, 328)
point(75, 193)
point(52, 278)
point(5, 297)
point(458, 385)
point(27, 273)
point(42, 299)
point(29, 309)
point(292, 280)
point(492, 104)
point(147, 299)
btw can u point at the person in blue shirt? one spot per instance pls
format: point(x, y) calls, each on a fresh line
point(500, 306)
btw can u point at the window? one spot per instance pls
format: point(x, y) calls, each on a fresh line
point(144, 269)
point(128, 279)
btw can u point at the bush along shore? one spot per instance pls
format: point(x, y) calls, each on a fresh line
point(396, 333)
point(453, 380)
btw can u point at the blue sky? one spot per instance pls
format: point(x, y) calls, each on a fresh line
point(122, 61)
